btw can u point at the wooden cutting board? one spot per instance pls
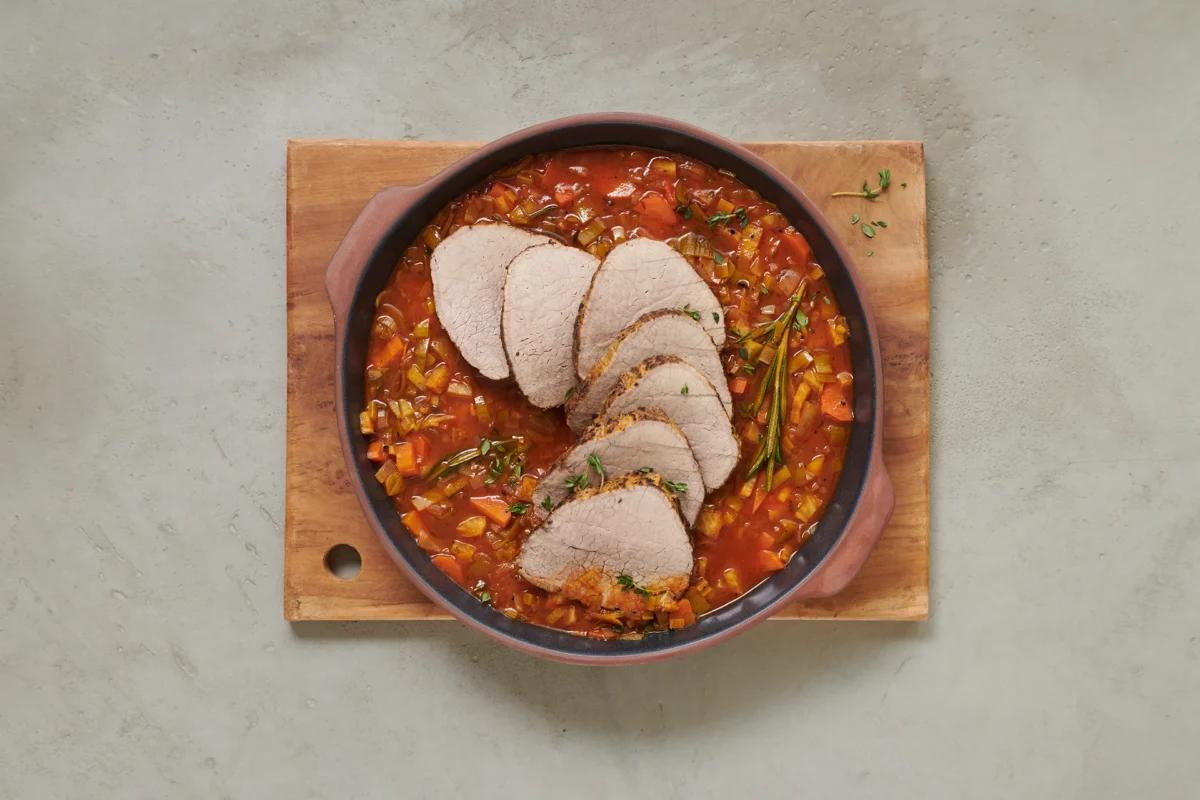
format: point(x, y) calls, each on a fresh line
point(329, 181)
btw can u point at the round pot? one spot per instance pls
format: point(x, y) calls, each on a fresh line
point(861, 504)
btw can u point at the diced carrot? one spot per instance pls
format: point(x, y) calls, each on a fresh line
point(765, 540)
point(800, 249)
point(738, 384)
point(834, 403)
point(415, 524)
point(392, 352)
point(406, 459)
point(494, 508)
point(421, 446)
point(655, 208)
point(682, 616)
point(450, 566)
point(375, 451)
point(769, 561)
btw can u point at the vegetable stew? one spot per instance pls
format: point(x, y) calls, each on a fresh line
point(461, 455)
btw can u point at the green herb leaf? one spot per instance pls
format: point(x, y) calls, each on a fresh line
point(882, 223)
point(684, 209)
point(718, 257)
point(885, 180)
point(739, 214)
point(626, 583)
point(678, 487)
point(716, 317)
point(800, 322)
point(684, 390)
point(518, 509)
point(870, 253)
point(577, 482)
point(485, 445)
point(691, 312)
point(645, 470)
point(485, 597)
point(594, 462)
point(547, 503)
point(868, 231)
point(748, 369)
point(744, 353)
point(854, 218)
point(825, 298)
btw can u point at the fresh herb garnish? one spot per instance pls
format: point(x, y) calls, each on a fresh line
point(684, 210)
point(452, 462)
point(547, 503)
point(800, 322)
point(885, 180)
point(485, 597)
point(869, 254)
point(825, 298)
point(763, 290)
point(868, 231)
point(738, 213)
point(748, 369)
point(716, 317)
point(744, 353)
point(854, 218)
point(518, 509)
point(775, 383)
point(691, 312)
point(626, 582)
point(594, 462)
point(646, 470)
point(577, 482)
point(684, 390)
point(879, 223)
point(678, 487)
point(718, 257)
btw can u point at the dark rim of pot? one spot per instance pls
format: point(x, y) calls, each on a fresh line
point(635, 132)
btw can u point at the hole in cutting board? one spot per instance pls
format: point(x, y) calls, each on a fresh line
point(343, 561)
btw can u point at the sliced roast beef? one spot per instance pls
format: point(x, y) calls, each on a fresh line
point(689, 399)
point(542, 292)
point(637, 277)
point(468, 270)
point(645, 439)
point(666, 332)
point(620, 542)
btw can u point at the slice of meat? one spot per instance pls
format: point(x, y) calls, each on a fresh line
point(666, 332)
point(620, 545)
point(542, 292)
point(637, 277)
point(626, 444)
point(468, 270)
point(689, 399)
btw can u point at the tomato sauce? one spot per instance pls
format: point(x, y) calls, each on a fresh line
point(426, 404)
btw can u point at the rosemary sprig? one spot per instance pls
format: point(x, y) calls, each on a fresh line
point(452, 462)
point(774, 384)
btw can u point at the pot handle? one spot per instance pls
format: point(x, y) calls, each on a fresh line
point(875, 509)
point(350, 259)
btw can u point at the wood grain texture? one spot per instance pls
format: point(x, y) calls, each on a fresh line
point(328, 183)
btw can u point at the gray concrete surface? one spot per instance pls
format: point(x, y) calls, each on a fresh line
point(142, 649)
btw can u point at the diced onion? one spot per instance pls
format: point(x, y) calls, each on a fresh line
point(589, 232)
